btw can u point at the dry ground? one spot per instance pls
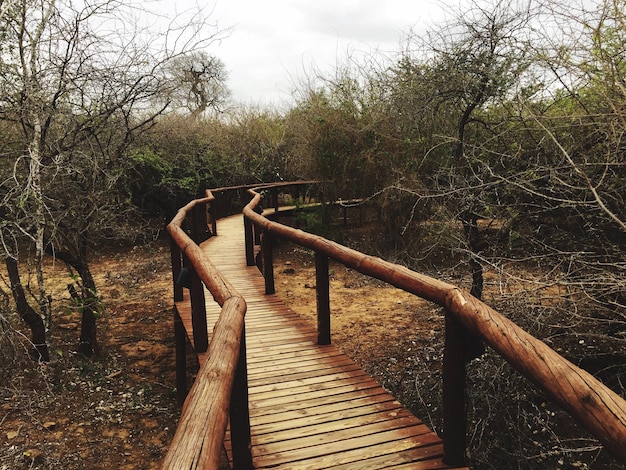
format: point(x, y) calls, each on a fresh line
point(375, 324)
point(118, 410)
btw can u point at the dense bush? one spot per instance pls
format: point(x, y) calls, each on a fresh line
point(483, 141)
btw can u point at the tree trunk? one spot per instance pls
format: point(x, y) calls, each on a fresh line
point(38, 214)
point(88, 334)
point(474, 346)
point(87, 298)
point(29, 315)
point(474, 240)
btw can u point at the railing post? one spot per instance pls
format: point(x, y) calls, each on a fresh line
point(256, 229)
point(323, 298)
point(240, 413)
point(198, 224)
point(249, 240)
point(268, 262)
point(274, 192)
point(177, 264)
point(212, 216)
point(454, 393)
point(198, 312)
point(180, 338)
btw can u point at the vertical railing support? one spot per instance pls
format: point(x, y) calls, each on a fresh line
point(196, 290)
point(240, 413)
point(198, 312)
point(177, 264)
point(454, 393)
point(199, 227)
point(256, 230)
point(249, 240)
point(268, 262)
point(180, 338)
point(323, 298)
point(212, 216)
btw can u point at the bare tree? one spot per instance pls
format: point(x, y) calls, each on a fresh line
point(471, 64)
point(518, 138)
point(578, 124)
point(81, 81)
point(199, 83)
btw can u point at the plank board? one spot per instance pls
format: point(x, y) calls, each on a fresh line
point(310, 406)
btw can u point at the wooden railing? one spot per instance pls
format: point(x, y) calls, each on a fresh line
point(590, 402)
point(219, 393)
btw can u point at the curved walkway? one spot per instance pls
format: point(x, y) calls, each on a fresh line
point(310, 406)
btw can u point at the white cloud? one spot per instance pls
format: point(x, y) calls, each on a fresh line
point(276, 40)
point(365, 20)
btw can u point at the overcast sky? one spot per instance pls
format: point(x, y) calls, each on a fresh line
point(275, 42)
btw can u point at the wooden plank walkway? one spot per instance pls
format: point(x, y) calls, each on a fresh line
point(310, 406)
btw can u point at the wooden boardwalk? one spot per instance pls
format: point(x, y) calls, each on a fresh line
point(310, 406)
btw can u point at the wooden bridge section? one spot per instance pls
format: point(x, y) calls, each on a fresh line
point(273, 392)
point(310, 405)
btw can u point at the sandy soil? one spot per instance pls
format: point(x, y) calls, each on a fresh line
point(118, 410)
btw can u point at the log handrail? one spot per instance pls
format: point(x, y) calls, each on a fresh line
point(225, 366)
point(586, 399)
point(214, 383)
point(595, 406)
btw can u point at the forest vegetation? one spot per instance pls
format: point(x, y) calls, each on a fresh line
point(492, 146)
